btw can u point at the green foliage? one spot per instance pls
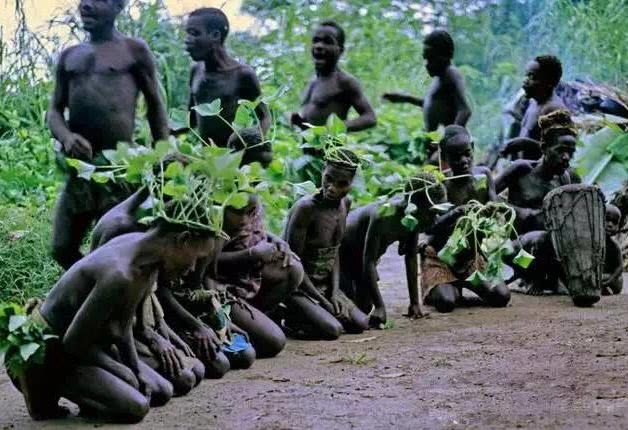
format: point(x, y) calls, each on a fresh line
point(485, 230)
point(22, 339)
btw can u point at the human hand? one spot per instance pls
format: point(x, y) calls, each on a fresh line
point(77, 146)
point(266, 252)
point(166, 353)
point(205, 344)
point(145, 384)
point(415, 311)
point(377, 316)
point(394, 97)
point(297, 119)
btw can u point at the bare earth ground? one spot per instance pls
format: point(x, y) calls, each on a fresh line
point(540, 363)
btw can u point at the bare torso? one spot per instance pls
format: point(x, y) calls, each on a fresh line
point(324, 96)
point(102, 91)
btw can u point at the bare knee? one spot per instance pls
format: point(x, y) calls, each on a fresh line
point(331, 329)
point(136, 409)
point(199, 371)
point(242, 359)
point(161, 393)
point(444, 298)
point(218, 367)
point(500, 296)
point(273, 343)
point(184, 383)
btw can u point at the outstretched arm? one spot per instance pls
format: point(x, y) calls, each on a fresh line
point(403, 98)
point(362, 106)
point(147, 80)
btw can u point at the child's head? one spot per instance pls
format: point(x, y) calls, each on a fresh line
point(185, 246)
point(542, 76)
point(613, 216)
point(206, 28)
point(338, 174)
point(328, 44)
point(99, 14)
point(558, 140)
point(235, 220)
point(438, 51)
point(457, 149)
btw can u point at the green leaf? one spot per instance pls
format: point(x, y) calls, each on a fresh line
point(335, 125)
point(85, 170)
point(410, 209)
point(186, 149)
point(409, 222)
point(304, 188)
point(386, 210)
point(102, 177)
point(476, 278)
point(17, 321)
point(208, 109)
point(243, 117)
point(523, 259)
point(238, 201)
point(162, 148)
point(447, 256)
point(173, 170)
point(174, 190)
point(27, 350)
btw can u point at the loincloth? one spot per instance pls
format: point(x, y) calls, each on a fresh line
point(435, 272)
point(82, 196)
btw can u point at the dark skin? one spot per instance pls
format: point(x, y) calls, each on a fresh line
point(281, 273)
point(319, 221)
point(164, 345)
point(468, 183)
point(366, 239)
point(216, 75)
point(332, 91)
point(528, 182)
point(612, 278)
point(92, 308)
point(543, 100)
point(445, 102)
point(99, 82)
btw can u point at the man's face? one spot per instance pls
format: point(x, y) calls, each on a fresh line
point(325, 48)
point(435, 62)
point(459, 154)
point(558, 155)
point(612, 220)
point(199, 40)
point(336, 182)
point(97, 14)
point(534, 85)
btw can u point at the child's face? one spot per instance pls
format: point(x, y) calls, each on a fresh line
point(558, 155)
point(435, 62)
point(199, 40)
point(336, 182)
point(325, 47)
point(534, 84)
point(97, 14)
point(237, 219)
point(459, 154)
point(612, 220)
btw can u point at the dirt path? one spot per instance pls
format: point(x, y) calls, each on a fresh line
point(540, 363)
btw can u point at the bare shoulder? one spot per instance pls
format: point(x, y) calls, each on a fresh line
point(304, 205)
point(247, 72)
point(453, 75)
point(139, 49)
point(348, 81)
point(521, 167)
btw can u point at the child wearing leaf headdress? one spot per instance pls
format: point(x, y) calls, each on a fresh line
point(314, 229)
point(371, 229)
point(443, 281)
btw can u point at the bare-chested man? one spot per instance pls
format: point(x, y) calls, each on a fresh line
point(92, 308)
point(332, 90)
point(98, 82)
point(543, 75)
point(445, 102)
point(216, 75)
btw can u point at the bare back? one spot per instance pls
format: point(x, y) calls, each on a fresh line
point(530, 122)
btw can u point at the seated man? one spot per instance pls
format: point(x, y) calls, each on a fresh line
point(528, 182)
point(314, 229)
point(543, 75)
point(92, 308)
point(370, 232)
point(443, 283)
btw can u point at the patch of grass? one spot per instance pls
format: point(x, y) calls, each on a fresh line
point(358, 359)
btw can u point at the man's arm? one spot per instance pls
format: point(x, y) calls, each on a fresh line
point(147, 80)
point(58, 103)
point(298, 223)
point(251, 91)
point(510, 174)
point(463, 111)
point(412, 278)
point(369, 265)
point(403, 98)
point(360, 103)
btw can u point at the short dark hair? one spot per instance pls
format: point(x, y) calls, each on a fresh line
point(441, 41)
point(339, 30)
point(550, 68)
point(452, 131)
point(215, 19)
